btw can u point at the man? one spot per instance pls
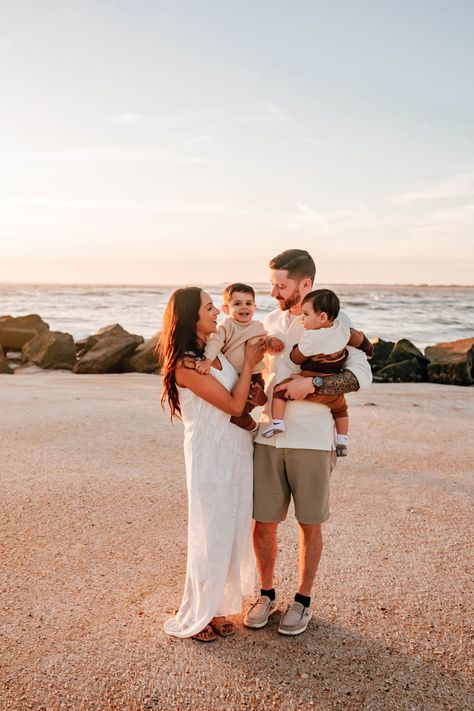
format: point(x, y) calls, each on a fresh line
point(297, 462)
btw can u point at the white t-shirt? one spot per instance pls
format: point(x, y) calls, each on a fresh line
point(308, 425)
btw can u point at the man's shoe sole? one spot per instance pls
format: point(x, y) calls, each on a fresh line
point(259, 625)
point(292, 633)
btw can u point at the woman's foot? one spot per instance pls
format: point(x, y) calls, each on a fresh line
point(222, 626)
point(205, 635)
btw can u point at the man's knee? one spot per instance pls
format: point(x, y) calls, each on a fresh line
point(311, 530)
point(264, 530)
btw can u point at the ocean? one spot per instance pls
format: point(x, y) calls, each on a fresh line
point(424, 314)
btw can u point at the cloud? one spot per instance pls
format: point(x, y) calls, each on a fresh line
point(330, 222)
point(170, 206)
point(459, 218)
point(126, 118)
point(277, 112)
point(103, 153)
point(303, 217)
point(310, 141)
point(197, 139)
point(457, 186)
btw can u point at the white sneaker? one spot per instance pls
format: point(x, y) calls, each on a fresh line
point(273, 428)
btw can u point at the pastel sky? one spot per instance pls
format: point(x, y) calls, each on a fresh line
point(190, 141)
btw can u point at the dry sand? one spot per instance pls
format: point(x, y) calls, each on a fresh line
point(93, 522)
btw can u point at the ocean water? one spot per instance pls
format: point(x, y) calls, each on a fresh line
point(423, 314)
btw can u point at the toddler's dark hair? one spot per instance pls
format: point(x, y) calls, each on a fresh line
point(239, 288)
point(324, 300)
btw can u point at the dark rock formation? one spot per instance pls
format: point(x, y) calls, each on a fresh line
point(15, 331)
point(404, 371)
point(451, 362)
point(405, 350)
point(51, 349)
point(143, 360)
point(111, 345)
point(4, 365)
point(382, 350)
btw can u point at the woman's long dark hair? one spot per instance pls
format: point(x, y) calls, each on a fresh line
point(178, 338)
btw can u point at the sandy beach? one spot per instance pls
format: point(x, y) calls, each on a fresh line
point(93, 537)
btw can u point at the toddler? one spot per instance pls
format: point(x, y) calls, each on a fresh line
point(322, 351)
point(230, 338)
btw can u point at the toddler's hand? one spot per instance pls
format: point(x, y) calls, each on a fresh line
point(274, 344)
point(203, 366)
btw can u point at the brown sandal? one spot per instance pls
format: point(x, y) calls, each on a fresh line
point(205, 635)
point(222, 627)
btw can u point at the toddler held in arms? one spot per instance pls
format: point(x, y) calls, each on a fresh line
point(230, 339)
point(322, 351)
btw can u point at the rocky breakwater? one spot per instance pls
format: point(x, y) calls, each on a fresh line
point(450, 363)
point(28, 340)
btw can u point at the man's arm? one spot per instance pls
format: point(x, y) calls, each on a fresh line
point(339, 384)
point(356, 375)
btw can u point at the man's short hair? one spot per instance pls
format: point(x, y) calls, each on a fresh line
point(324, 300)
point(297, 262)
point(239, 288)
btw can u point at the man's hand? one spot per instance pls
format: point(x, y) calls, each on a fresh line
point(298, 387)
point(274, 344)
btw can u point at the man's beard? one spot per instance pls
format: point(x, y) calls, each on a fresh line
point(293, 300)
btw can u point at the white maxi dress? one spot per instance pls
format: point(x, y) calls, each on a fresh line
point(220, 566)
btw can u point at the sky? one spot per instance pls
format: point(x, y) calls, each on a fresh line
point(152, 142)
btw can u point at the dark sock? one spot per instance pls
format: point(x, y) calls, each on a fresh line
point(305, 601)
point(268, 593)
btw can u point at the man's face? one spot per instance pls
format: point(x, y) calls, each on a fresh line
point(288, 292)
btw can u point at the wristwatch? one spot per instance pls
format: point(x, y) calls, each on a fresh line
point(317, 382)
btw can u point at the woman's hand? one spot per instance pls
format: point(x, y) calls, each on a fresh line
point(254, 350)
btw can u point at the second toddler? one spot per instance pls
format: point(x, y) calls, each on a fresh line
point(322, 351)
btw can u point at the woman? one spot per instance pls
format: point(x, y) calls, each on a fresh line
point(218, 457)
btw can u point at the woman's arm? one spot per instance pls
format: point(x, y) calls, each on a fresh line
point(211, 390)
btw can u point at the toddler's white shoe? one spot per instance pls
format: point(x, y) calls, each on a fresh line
point(274, 428)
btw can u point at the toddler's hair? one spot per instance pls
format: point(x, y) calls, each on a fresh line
point(324, 300)
point(239, 288)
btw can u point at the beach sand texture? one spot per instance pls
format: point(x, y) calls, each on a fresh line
point(93, 522)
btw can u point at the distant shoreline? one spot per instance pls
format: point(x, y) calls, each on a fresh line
point(222, 284)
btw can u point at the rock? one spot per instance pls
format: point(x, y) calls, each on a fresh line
point(111, 345)
point(15, 331)
point(84, 345)
point(405, 350)
point(382, 350)
point(51, 349)
point(405, 371)
point(143, 360)
point(5, 367)
point(4, 364)
point(452, 362)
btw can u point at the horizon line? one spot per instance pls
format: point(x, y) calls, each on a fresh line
point(224, 283)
